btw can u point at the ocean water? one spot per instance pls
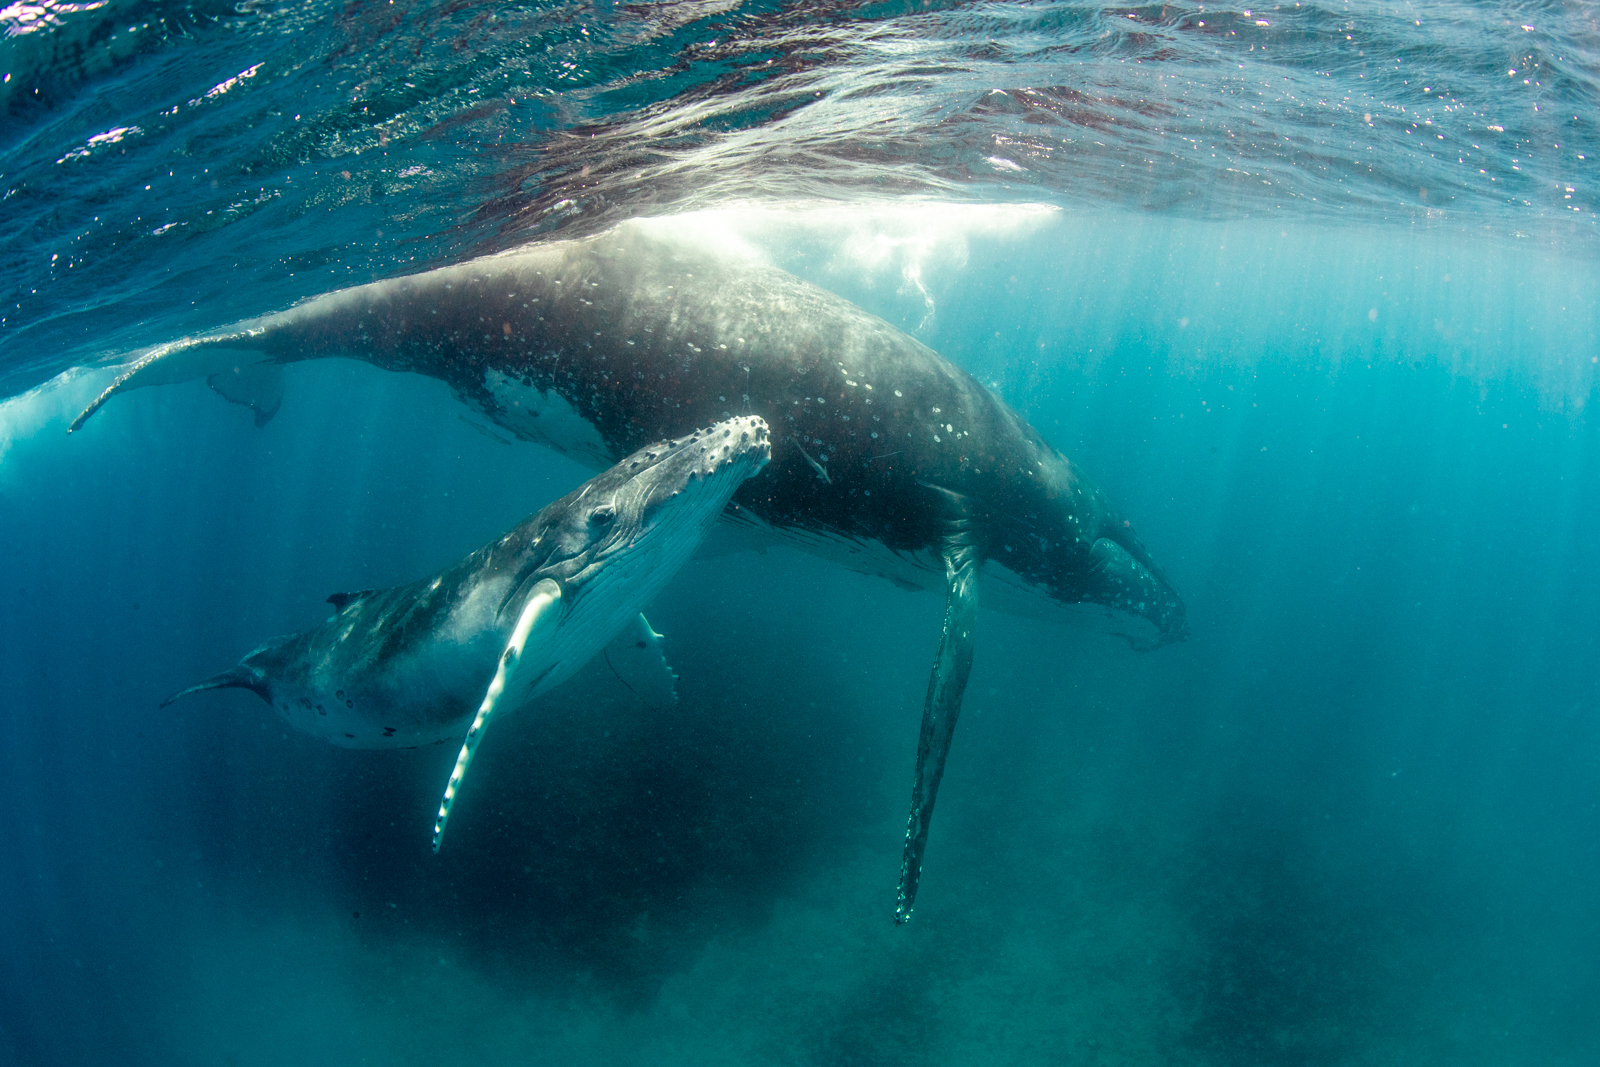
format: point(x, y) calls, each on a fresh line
point(1311, 290)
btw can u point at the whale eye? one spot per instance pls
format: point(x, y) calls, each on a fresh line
point(602, 516)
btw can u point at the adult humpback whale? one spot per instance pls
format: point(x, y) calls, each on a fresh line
point(885, 456)
point(394, 668)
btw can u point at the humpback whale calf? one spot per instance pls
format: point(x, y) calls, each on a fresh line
point(885, 456)
point(399, 667)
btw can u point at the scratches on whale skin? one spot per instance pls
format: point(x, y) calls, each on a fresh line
point(822, 472)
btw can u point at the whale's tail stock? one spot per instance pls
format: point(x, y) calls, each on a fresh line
point(240, 677)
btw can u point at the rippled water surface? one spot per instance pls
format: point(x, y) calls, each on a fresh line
point(1309, 289)
point(160, 157)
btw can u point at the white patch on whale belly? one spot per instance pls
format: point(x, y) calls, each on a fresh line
point(547, 418)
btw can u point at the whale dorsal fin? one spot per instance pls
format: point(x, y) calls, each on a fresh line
point(542, 610)
point(636, 658)
point(340, 601)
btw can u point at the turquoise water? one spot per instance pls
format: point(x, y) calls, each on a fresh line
point(1324, 334)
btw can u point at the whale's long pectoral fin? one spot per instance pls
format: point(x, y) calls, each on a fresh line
point(231, 365)
point(542, 611)
point(942, 707)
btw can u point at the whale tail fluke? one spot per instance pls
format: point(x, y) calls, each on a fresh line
point(231, 364)
point(240, 677)
point(257, 386)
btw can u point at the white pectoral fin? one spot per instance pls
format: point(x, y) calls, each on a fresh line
point(543, 608)
point(636, 658)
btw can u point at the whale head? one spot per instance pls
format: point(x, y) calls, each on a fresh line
point(1064, 542)
point(650, 509)
point(614, 542)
